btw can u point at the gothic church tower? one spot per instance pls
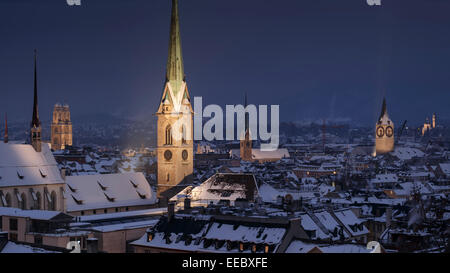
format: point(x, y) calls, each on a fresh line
point(35, 126)
point(384, 132)
point(61, 127)
point(246, 142)
point(175, 124)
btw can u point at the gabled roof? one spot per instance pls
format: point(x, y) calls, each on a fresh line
point(34, 214)
point(21, 165)
point(108, 190)
point(222, 186)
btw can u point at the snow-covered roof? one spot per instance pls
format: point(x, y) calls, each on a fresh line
point(445, 167)
point(108, 190)
point(245, 234)
point(352, 223)
point(21, 165)
point(224, 187)
point(32, 214)
point(385, 178)
point(258, 154)
point(115, 215)
point(407, 153)
point(125, 226)
point(12, 247)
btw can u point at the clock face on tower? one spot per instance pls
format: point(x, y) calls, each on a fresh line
point(184, 154)
point(380, 131)
point(389, 131)
point(168, 155)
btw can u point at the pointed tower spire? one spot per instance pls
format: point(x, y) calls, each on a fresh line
point(246, 113)
point(175, 68)
point(6, 139)
point(35, 130)
point(35, 122)
point(383, 109)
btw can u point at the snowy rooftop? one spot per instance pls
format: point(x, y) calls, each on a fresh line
point(108, 190)
point(32, 214)
point(21, 165)
point(224, 187)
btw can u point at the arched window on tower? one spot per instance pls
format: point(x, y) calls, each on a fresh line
point(183, 135)
point(168, 135)
point(168, 177)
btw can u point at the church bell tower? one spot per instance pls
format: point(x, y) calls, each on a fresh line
point(175, 124)
point(246, 142)
point(384, 132)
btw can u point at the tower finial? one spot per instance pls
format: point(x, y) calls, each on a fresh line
point(175, 67)
point(35, 122)
point(6, 139)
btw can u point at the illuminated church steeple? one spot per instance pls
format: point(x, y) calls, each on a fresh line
point(384, 132)
point(175, 125)
point(246, 142)
point(35, 127)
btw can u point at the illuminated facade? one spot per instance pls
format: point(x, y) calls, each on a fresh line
point(384, 132)
point(175, 125)
point(61, 127)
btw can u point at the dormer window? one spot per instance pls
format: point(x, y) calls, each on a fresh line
point(71, 189)
point(79, 202)
point(20, 175)
point(134, 184)
point(101, 186)
point(141, 195)
point(110, 199)
point(43, 173)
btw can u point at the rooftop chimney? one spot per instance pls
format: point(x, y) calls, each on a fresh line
point(388, 217)
point(170, 211)
point(187, 203)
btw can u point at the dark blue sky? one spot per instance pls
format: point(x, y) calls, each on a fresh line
point(315, 58)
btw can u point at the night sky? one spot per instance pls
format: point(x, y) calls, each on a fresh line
point(315, 58)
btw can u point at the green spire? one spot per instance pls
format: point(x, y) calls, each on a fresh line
point(175, 69)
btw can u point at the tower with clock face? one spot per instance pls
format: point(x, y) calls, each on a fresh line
point(175, 124)
point(384, 132)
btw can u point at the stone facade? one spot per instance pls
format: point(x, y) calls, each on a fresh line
point(61, 127)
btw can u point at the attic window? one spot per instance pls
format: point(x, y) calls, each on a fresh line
point(20, 175)
point(141, 195)
point(110, 199)
point(134, 184)
point(79, 202)
point(43, 173)
point(71, 189)
point(101, 186)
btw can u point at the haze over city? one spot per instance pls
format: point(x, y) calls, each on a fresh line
point(316, 59)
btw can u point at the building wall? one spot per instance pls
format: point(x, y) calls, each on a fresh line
point(61, 128)
point(44, 203)
point(384, 144)
point(116, 241)
point(109, 210)
point(177, 169)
